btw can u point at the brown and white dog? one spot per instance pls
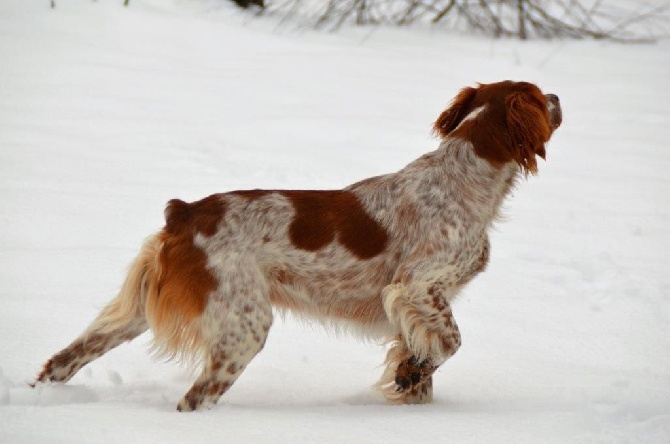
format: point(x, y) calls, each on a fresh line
point(386, 255)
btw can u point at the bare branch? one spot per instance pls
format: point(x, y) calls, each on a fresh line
point(524, 19)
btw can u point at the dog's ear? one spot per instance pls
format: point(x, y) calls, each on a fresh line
point(529, 129)
point(452, 116)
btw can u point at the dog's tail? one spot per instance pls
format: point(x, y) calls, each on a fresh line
point(129, 305)
point(161, 292)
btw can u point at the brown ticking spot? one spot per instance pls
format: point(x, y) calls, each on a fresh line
point(322, 217)
point(71, 367)
point(232, 368)
point(477, 266)
point(437, 302)
point(213, 389)
point(450, 344)
point(95, 344)
point(284, 277)
point(46, 373)
point(220, 355)
point(192, 402)
point(226, 386)
point(217, 388)
point(408, 212)
point(483, 259)
point(199, 388)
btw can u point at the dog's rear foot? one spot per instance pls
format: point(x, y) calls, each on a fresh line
point(57, 370)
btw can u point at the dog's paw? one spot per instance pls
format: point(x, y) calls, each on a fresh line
point(411, 374)
point(51, 372)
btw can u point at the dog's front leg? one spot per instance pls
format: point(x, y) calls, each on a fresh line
point(428, 336)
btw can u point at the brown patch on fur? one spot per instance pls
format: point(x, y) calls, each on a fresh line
point(323, 216)
point(202, 216)
point(251, 195)
point(529, 125)
point(513, 126)
point(455, 113)
point(183, 283)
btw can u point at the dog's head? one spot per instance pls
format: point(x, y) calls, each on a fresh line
point(505, 121)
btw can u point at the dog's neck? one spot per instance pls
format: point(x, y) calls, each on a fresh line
point(478, 187)
point(451, 184)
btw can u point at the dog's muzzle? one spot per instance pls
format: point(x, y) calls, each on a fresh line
point(555, 113)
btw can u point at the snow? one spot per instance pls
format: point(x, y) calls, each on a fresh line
point(108, 112)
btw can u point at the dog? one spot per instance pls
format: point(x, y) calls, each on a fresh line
point(385, 256)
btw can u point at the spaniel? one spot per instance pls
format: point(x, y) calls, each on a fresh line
point(385, 256)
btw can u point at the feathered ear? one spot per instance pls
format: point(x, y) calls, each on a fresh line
point(452, 116)
point(528, 124)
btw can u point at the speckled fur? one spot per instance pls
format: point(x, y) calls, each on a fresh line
point(384, 258)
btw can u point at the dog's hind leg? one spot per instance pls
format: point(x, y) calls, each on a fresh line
point(93, 343)
point(234, 325)
point(120, 321)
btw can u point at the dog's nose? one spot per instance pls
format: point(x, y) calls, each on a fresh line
point(554, 107)
point(553, 98)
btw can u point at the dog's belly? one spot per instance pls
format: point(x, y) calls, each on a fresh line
point(350, 294)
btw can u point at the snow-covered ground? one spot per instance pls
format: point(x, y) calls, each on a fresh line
point(107, 112)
